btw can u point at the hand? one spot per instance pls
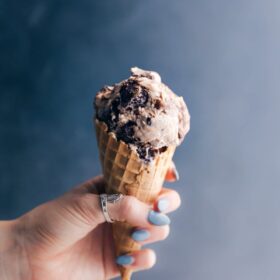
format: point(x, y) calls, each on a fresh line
point(68, 238)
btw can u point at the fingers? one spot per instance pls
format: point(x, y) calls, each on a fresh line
point(168, 200)
point(79, 212)
point(136, 213)
point(172, 174)
point(129, 209)
point(150, 235)
point(84, 208)
point(82, 205)
point(138, 260)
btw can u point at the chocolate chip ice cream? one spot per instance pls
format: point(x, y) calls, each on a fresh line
point(144, 113)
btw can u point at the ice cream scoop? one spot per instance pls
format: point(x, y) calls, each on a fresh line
point(144, 113)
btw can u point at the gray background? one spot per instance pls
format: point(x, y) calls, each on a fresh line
point(222, 56)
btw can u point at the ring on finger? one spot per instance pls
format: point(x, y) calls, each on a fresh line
point(108, 198)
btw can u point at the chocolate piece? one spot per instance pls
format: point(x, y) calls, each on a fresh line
point(162, 149)
point(115, 106)
point(127, 91)
point(144, 113)
point(126, 132)
point(136, 112)
point(141, 99)
point(151, 152)
point(142, 151)
point(157, 104)
point(147, 153)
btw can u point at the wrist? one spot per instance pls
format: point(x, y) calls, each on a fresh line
point(13, 259)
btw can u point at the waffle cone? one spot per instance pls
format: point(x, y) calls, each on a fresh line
point(126, 173)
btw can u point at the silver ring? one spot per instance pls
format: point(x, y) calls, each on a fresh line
point(108, 198)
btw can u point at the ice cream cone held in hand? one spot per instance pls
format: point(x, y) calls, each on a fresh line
point(139, 123)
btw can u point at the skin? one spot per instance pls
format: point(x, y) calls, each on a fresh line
point(67, 238)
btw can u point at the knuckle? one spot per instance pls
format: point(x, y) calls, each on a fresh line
point(91, 204)
point(83, 207)
point(125, 208)
point(81, 202)
point(128, 204)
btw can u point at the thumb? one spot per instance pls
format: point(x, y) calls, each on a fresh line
point(58, 224)
point(53, 226)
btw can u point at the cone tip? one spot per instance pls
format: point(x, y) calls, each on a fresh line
point(126, 274)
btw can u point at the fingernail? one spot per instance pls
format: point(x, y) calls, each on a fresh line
point(172, 174)
point(140, 235)
point(162, 204)
point(158, 219)
point(176, 173)
point(124, 260)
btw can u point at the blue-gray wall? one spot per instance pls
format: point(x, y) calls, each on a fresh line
point(222, 56)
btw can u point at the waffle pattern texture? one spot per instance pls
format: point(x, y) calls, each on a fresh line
point(126, 173)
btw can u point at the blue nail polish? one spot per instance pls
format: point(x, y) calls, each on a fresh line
point(140, 235)
point(158, 219)
point(124, 260)
point(162, 204)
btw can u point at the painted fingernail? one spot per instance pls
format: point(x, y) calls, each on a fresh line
point(140, 235)
point(162, 204)
point(124, 260)
point(158, 219)
point(172, 174)
point(176, 173)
